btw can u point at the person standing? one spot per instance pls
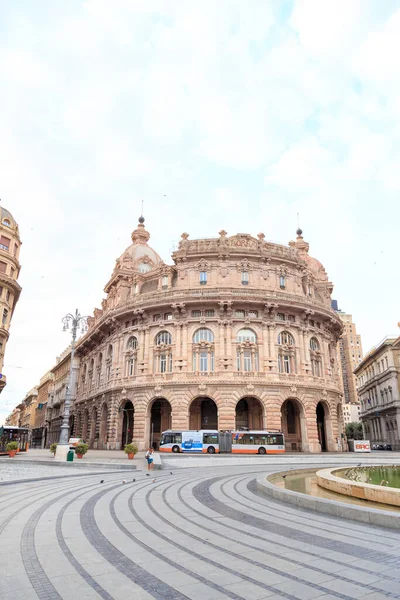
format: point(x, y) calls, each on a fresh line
point(150, 459)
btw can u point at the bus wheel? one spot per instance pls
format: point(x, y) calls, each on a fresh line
point(261, 451)
point(211, 450)
point(175, 449)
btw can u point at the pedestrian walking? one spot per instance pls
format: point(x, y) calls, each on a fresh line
point(150, 459)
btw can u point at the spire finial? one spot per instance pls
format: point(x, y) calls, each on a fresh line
point(141, 218)
point(299, 231)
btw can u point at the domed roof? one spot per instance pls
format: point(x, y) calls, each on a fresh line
point(139, 256)
point(7, 219)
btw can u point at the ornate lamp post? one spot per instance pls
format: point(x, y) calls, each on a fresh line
point(73, 322)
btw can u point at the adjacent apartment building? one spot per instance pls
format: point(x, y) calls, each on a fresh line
point(349, 357)
point(378, 382)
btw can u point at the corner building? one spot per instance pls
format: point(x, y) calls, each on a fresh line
point(237, 332)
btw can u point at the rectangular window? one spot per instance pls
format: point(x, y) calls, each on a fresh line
point(4, 243)
point(203, 356)
point(203, 277)
point(168, 317)
point(245, 277)
point(3, 267)
point(156, 318)
point(312, 323)
point(165, 282)
point(163, 363)
point(130, 370)
point(286, 364)
point(291, 318)
point(210, 313)
point(8, 296)
point(280, 317)
point(282, 282)
point(239, 313)
point(253, 314)
point(247, 361)
point(5, 315)
point(196, 313)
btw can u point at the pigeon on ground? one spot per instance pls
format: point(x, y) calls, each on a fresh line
point(170, 472)
point(102, 481)
point(148, 474)
point(124, 481)
point(133, 480)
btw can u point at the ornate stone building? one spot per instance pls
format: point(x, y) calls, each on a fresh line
point(236, 333)
point(10, 290)
point(378, 386)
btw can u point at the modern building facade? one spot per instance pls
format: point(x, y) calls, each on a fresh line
point(236, 332)
point(56, 396)
point(351, 412)
point(10, 289)
point(378, 384)
point(350, 355)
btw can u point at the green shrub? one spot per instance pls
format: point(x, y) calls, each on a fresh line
point(131, 449)
point(53, 448)
point(12, 446)
point(81, 448)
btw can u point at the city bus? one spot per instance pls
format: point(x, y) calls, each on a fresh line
point(213, 441)
point(13, 434)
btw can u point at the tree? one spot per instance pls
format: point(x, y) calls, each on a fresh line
point(354, 431)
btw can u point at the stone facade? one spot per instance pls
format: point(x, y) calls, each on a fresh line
point(10, 290)
point(350, 355)
point(237, 332)
point(56, 396)
point(378, 385)
point(39, 432)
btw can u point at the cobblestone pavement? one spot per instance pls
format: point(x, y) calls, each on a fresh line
point(205, 533)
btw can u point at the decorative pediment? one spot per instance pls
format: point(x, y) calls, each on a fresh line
point(203, 265)
point(244, 265)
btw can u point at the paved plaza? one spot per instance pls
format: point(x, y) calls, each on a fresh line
point(200, 531)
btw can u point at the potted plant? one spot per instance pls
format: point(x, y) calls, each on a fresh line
point(53, 448)
point(81, 449)
point(131, 450)
point(12, 448)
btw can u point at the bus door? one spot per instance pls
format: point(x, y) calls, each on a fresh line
point(225, 442)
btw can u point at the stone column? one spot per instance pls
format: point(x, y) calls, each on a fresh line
point(272, 348)
point(178, 344)
point(301, 346)
point(229, 345)
point(185, 346)
point(141, 344)
point(383, 428)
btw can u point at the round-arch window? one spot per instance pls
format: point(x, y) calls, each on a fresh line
point(285, 339)
point(246, 335)
point(109, 351)
point(144, 267)
point(6, 222)
point(314, 345)
point(164, 337)
point(203, 335)
point(132, 343)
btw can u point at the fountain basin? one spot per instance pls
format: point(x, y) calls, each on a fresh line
point(334, 481)
point(311, 497)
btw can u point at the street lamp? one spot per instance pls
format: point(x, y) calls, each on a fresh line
point(73, 322)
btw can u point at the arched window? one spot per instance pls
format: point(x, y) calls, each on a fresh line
point(91, 373)
point(246, 350)
point(132, 343)
point(131, 356)
point(164, 337)
point(203, 335)
point(109, 362)
point(315, 358)
point(203, 350)
point(285, 339)
point(163, 352)
point(99, 368)
point(246, 335)
point(83, 380)
point(286, 353)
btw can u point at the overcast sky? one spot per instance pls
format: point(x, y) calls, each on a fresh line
point(219, 114)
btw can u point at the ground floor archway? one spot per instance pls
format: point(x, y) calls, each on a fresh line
point(292, 423)
point(249, 414)
point(160, 420)
point(203, 414)
point(103, 438)
point(128, 417)
point(321, 426)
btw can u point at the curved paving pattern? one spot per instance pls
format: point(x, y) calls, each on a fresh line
point(203, 533)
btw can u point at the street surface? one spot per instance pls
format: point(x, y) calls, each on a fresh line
point(202, 533)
